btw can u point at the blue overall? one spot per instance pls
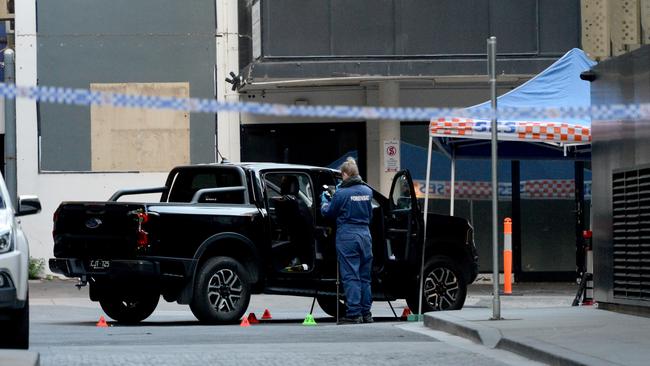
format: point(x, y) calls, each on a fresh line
point(351, 205)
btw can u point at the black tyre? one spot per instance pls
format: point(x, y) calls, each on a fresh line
point(131, 308)
point(16, 329)
point(444, 287)
point(328, 304)
point(221, 291)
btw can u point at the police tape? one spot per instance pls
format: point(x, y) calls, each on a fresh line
point(85, 97)
point(554, 189)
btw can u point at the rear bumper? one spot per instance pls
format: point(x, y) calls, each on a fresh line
point(128, 269)
point(73, 267)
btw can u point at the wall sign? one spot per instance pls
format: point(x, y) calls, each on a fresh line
point(391, 156)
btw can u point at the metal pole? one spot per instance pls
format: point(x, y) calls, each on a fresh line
point(496, 304)
point(453, 181)
point(424, 236)
point(10, 129)
point(580, 216)
point(338, 291)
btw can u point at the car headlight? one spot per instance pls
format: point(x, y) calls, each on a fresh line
point(5, 241)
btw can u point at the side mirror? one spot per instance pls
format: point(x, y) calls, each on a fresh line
point(28, 205)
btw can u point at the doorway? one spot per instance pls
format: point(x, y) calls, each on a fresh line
point(318, 144)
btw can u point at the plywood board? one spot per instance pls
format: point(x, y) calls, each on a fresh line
point(625, 25)
point(595, 28)
point(127, 139)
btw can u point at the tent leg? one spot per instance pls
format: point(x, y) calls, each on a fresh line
point(426, 213)
point(453, 182)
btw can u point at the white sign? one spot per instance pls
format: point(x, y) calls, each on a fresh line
point(391, 156)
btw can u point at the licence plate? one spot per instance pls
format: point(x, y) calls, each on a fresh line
point(99, 264)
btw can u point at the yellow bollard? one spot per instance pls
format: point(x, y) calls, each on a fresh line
point(507, 256)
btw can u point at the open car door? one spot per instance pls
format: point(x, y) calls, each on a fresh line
point(403, 219)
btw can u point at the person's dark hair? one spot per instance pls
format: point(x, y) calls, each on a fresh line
point(350, 167)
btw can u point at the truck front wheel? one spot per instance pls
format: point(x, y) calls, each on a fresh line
point(222, 291)
point(444, 287)
point(130, 309)
point(329, 305)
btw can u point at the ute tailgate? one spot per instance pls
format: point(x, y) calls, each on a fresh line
point(103, 230)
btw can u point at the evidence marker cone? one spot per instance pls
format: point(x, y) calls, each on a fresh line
point(252, 319)
point(415, 317)
point(406, 312)
point(309, 320)
point(266, 315)
point(102, 322)
point(244, 322)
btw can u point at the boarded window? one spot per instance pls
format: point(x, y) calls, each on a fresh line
point(148, 140)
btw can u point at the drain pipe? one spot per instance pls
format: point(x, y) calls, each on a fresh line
point(10, 130)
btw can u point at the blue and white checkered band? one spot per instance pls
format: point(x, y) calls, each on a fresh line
point(84, 97)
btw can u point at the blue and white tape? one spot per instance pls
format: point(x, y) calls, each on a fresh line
point(85, 97)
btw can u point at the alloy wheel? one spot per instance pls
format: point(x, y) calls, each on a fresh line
point(441, 288)
point(224, 290)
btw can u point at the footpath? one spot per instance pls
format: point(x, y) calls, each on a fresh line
point(558, 334)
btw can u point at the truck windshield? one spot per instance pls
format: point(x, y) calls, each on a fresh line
point(186, 183)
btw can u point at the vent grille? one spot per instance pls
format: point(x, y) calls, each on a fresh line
point(631, 233)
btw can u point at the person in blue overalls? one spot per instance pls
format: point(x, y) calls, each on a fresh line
point(351, 205)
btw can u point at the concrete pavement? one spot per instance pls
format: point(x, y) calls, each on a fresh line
point(63, 331)
point(554, 335)
point(539, 322)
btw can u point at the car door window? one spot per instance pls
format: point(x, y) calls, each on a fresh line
point(187, 182)
point(401, 198)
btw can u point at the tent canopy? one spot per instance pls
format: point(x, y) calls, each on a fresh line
point(559, 86)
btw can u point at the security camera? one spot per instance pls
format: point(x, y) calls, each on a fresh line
point(589, 76)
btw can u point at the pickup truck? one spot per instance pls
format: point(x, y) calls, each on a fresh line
point(222, 232)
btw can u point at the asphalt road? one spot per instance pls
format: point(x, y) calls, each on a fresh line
point(63, 331)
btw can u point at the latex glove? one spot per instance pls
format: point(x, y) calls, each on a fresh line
point(325, 197)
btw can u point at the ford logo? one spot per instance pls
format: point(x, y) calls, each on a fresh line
point(93, 223)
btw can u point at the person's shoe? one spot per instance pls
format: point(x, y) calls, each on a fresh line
point(367, 318)
point(352, 320)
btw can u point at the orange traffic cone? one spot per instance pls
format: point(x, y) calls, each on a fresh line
point(266, 315)
point(102, 322)
point(406, 312)
point(252, 319)
point(244, 322)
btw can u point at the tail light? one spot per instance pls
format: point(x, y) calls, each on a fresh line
point(142, 236)
point(143, 239)
point(143, 217)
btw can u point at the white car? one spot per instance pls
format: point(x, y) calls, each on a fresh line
point(14, 268)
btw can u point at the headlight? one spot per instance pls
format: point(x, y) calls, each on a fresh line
point(5, 241)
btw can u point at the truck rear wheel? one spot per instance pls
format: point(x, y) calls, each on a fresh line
point(444, 287)
point(130, 309)
point(222, 291)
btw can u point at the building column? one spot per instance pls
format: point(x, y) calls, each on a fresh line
point(228, 123)
point(378, 131)
point(26, 116)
